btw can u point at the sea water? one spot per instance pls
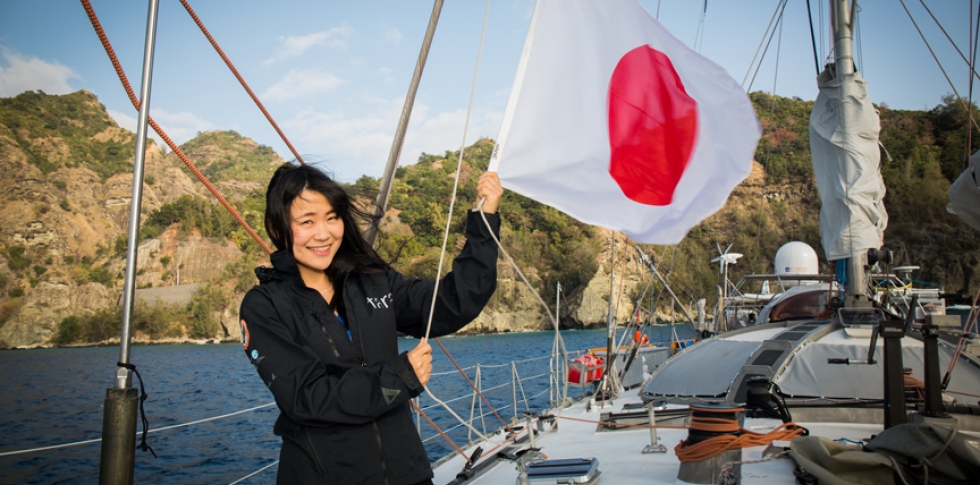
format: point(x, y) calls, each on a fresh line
point(55, 396)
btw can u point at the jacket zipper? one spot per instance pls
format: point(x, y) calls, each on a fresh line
point(360, 341)
point(381, 450)
point(316, 458)
point(323, 328)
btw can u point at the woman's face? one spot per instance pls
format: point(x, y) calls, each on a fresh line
point(317, 232)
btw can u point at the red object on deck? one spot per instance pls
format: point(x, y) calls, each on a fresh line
point(586, 369)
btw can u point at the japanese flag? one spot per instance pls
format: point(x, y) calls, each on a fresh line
point(615, 122)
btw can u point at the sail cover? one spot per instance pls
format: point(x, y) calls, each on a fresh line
point(964, 194)
point(844, 145)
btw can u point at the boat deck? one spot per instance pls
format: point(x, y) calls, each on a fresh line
point(621, 460)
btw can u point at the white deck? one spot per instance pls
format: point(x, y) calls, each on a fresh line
point(621, 461)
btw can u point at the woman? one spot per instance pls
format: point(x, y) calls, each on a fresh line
point(321, 330)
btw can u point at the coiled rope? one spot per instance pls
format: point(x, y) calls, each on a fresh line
point(716, 445)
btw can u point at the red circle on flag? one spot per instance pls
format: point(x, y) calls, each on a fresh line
point(653, 126)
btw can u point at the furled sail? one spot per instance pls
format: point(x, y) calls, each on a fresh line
point(844, 145)
point(964, 194)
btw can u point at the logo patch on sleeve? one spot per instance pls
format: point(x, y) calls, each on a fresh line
point(390, 394)
point(245, 337)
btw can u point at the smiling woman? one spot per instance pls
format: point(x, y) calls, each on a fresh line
point(321, 330)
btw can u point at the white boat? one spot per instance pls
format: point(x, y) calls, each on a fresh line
point(825, 358)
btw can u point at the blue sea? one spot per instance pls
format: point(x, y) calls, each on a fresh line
point(55, 396)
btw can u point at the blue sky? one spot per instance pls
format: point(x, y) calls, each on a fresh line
point(334, 74)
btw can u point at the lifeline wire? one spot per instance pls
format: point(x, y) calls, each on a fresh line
point(157, 430)
point(256, 472)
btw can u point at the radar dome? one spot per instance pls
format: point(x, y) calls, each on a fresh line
point(796, 258)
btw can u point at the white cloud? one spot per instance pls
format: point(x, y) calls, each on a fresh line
point(386, 74)
point(392, 35)
point(29, 74)
point(299, 83)
point(295, 45)
point(180, 127)
point(353, 146)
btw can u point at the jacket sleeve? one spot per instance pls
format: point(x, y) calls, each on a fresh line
point(462, 293)
point(308, 390)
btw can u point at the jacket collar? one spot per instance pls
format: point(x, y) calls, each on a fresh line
point(284, 268)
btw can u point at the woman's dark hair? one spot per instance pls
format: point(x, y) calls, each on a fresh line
point(289, 181)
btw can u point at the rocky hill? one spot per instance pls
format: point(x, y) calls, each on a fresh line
point(66, 168)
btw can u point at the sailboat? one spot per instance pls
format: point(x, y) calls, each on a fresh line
point(841, 377)
point(819, 369)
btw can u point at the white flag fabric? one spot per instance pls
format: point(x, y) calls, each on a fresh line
point(617, 123)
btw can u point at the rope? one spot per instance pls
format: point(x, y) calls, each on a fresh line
point(421, 413)
point(713, 447)
point(459, 170)
point(157, 430)
point(241, 80)
point(256, 472)
point(613, 424)
point(93, 18)
point(146, 423)
point(940, 64)
point(470, 382)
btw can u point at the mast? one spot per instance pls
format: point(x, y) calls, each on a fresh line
point(384, 190)
point(842, 17)
point(119, 419)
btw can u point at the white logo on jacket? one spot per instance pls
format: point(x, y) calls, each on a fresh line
point(379, 302)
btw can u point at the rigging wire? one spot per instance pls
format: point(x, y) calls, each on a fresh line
point(699, 33)
point(969, 94)
point(813, 40)
point(772, 106)
point(241, 80)
point(857, 37)
point(936, 58)
point(772, 34)
point(951, 41)
point(776, 13)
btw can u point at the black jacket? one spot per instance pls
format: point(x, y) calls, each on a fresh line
point(344, 401)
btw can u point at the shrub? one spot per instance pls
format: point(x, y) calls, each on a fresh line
point(206, 302)
point(64, 204)
point(100, 274)
point(69, 260)
point(17, 291)
point(69, 331)
point(101, 325)
point(40, 270)
point(16, 259)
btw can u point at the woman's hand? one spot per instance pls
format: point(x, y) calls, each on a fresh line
point(421, 359)
point(489, 186)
